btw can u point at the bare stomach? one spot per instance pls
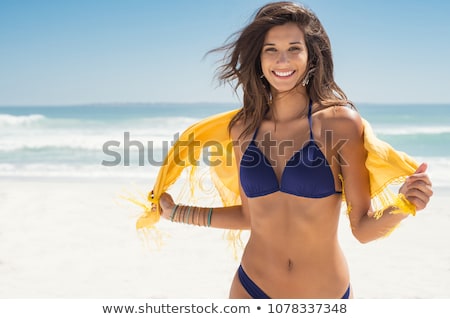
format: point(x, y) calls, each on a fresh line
point(315, 269)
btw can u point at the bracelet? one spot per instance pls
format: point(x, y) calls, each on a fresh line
point(174, 210)
point(209, 216)
point(180, 215)
point(205, 218)
point(198, 217)
point(186, 220)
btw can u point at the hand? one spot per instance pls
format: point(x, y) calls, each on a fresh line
point(166, 204)
point(418, 188)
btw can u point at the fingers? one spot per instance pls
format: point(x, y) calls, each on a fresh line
point(418, 191)
point(420, 177)
point(422, 168)
point(422, 183)
point(418, 199)
point(418, 187)
point(166, 204)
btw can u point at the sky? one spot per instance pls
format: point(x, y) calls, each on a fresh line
point(140, 51)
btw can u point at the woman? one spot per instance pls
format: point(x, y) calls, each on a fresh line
point(295, 139)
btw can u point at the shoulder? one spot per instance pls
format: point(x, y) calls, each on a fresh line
point(344, 121)
point(236, 130)
point(239, 141)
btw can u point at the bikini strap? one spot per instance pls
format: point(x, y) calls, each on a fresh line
point(254, 135)
point(311, 137)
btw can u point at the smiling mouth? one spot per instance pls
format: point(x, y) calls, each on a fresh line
point(283, 74)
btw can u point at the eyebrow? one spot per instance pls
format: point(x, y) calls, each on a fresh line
point(295, 42)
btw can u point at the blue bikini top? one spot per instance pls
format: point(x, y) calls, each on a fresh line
point(307, 173)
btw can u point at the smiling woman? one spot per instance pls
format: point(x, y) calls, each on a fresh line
point(300, 150)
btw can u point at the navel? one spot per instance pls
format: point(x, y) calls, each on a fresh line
point(290, 264)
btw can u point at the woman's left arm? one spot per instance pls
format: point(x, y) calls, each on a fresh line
point(365, 227)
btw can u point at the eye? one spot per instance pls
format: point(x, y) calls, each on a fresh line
point(295, 49)
point(270, 50)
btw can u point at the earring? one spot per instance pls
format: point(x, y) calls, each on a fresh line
point(305, 80)
point(307, 77)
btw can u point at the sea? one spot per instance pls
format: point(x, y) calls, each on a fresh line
point(129, 140)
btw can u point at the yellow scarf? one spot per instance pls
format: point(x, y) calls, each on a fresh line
point(210, 136)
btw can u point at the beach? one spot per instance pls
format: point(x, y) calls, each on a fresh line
point(77, 239)
point(67, 232)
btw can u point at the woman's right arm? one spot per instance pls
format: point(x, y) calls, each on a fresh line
point(232, 217)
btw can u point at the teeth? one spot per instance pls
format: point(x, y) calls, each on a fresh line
point(283, 73)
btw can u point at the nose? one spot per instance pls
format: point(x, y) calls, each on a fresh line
point(282, 57)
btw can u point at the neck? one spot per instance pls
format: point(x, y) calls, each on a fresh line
point(287, 106)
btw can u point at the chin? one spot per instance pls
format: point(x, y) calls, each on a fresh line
point(284, 89)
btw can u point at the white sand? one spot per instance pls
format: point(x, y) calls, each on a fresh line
point(77, 239)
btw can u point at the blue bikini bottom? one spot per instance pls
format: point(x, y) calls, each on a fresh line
point(256, 293)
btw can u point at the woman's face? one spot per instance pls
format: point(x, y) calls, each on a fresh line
point(284, 57)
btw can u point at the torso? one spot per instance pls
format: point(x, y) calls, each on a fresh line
point(293, 249)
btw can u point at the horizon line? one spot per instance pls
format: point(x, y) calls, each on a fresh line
point(200, 103)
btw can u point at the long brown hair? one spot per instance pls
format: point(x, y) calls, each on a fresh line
point(242, 63)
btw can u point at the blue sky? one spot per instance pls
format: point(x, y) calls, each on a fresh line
point(76, 52)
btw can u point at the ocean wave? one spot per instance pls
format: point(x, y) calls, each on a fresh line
point(50, 143)
point(75, 171)
point(73, 142)
point(7, 120)
point(412, 130)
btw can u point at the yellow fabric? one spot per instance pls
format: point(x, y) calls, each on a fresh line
point(386, 167)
